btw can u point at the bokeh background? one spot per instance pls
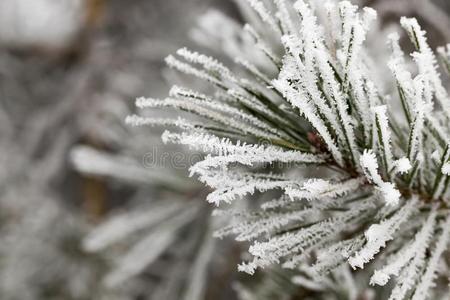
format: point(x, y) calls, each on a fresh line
point(82, 209)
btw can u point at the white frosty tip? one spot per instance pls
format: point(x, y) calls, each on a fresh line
point(369, 161)
point(391, 194)
point(379, 278)
point(375, 232)
point(446, 168)
point(403, 165)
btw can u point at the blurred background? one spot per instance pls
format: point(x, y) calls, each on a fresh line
point(88, 207)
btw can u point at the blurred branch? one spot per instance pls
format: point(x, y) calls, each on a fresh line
point(426, 9)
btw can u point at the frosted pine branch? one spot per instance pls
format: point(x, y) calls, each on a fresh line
point(312, 122)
